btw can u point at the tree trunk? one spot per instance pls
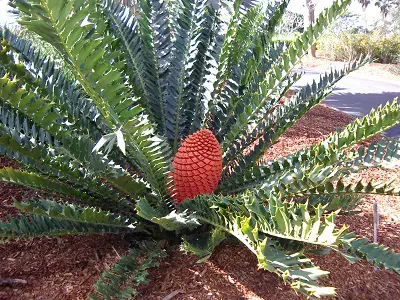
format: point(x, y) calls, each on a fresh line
point(364, 8)
point(309, 18)
point(365, 23)
point(131, 4)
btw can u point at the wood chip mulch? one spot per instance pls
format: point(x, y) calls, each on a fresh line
point(67, 267)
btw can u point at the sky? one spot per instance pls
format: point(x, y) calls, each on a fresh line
point(372, 12)
point(295, 5)
point(4, 16)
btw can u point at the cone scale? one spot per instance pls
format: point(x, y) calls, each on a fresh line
point(196, 168)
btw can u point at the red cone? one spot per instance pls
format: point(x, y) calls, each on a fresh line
point(197, 166)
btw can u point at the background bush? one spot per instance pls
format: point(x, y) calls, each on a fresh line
point(347, 45)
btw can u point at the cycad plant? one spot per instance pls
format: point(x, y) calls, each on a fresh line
point(154, 126)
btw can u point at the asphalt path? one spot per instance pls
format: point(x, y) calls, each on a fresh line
point(357, 94)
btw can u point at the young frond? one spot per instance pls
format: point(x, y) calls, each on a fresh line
point(121, 280)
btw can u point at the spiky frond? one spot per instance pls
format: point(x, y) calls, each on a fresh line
point(267, 129)
point(319, 160)
point(377, 255)
point(347, 204)
point(136, 38)
point(203, 244)
point(75, 213)
point(271, 80)
point(177, 96)
point(271, 230)
point(101, 80)
point(173, 221)
point(121, 280)
point(381, 154)
point(68, 159)
point(39, 182)
point(278, 220)
point(22, 59)
point(51, 218)
point(261, 228)
point(60, 19)
point(107, 116)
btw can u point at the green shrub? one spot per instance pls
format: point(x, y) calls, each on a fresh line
point(347, 46)
point(385, 50)
point(102, 123)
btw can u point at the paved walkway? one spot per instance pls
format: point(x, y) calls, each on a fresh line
point(358, 94)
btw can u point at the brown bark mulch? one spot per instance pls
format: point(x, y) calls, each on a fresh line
point(67, 267)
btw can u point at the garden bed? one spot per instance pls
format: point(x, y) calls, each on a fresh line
point(321, 64)
point(67, 267)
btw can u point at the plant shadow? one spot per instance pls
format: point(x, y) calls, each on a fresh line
point(360, 104)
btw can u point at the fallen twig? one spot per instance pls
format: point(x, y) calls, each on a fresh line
point(119, 256)
point(172, 295)
point(12, 281)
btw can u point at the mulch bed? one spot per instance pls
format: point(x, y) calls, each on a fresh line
point(67, 267)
